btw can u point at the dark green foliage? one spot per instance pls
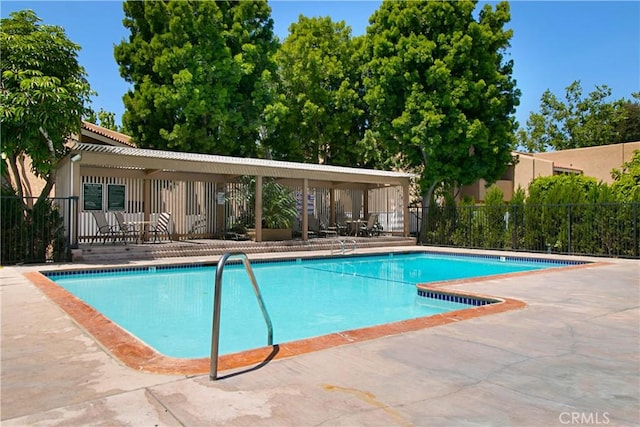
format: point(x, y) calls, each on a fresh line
point(201, 72)
point(11, 226)
point(46, 233)
point(462, 235)
point(628, 129)
point(104, 118)
point(278, 204)
point(545, 216)
point(563, 214)
point(317, 116)
point(43, 98)
point(32, 235)
point(439, 90)
point(626, 184)
point(515, 220)
point(482, 226)
point(579, 121)
point(493, 219)
point(442, 218)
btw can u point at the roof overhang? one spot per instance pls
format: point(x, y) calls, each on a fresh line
point(101, 135)
point(566, 169)
point(157, 161)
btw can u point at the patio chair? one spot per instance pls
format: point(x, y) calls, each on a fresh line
point(234, 235)
point(161, 226)
point(198, 227)
point(313, 226)
point(105, 230)
point(370, 228)
point(317, 228)
point(126, 230)
point(324, 231)
point(340, 227)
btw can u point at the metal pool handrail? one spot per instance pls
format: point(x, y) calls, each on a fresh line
point(215, 335)
point(342, 244)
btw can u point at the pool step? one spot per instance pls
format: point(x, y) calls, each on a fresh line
point(99, 253)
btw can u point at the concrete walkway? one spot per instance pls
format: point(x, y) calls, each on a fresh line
point(572, 356)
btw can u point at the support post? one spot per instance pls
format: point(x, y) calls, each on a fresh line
point(405, 211)
point(332, 207)
point(305, 214)
point(258, 208)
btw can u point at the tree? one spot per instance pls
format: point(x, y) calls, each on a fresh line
point(44, 95)
point(440, 91)
point(626, 185)
point(105, 118)
point(577, 122)
point(316, 117)
point(629, 126)
point(199, 72)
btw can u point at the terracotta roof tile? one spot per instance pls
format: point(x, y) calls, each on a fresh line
point(108, 133)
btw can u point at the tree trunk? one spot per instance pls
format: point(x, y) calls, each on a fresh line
point(51, 177)
point(426, 204)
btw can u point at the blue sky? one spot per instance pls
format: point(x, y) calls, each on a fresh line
point(554, 42)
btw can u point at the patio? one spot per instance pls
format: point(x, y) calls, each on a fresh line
point(569, 357)
point(207, 196)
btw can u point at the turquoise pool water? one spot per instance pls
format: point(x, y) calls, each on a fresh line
point(170, 309)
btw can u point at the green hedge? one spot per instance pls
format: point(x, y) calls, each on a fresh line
point(610, 229)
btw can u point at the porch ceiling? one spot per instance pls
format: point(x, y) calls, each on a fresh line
point(102, 156)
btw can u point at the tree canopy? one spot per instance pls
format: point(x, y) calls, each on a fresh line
point(629, 124)
point(316, 115)
point(440, 90)
point(106, 119)
point(200, 73)
point(579, 121)
point(44, 95)
point(626, 183)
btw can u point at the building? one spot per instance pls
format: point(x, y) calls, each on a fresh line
point(596, 162)
point(203, 193)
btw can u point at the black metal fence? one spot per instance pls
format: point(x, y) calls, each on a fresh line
point(32, 232)
point(609, 229)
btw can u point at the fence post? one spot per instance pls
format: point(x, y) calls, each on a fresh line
point(635, 229)
point(471, 210)
point(68, 219)
point(569, 228)
point(73, 222)
point(514, 234)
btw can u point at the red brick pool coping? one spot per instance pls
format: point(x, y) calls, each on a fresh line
point(136, 355)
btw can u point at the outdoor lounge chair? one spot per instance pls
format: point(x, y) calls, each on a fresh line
point(371, 227)
point(317, 228)
point(234, 235)
point(105, 230)
point(198, 227)
point(324, 231)
point(126, 230)
point(161, 226)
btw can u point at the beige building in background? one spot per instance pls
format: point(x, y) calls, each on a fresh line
point(596, 162)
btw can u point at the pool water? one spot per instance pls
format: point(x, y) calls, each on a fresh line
point(170, 309)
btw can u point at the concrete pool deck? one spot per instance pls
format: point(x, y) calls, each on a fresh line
point(571, 356)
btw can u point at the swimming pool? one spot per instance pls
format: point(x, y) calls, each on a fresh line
point(170, 308)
